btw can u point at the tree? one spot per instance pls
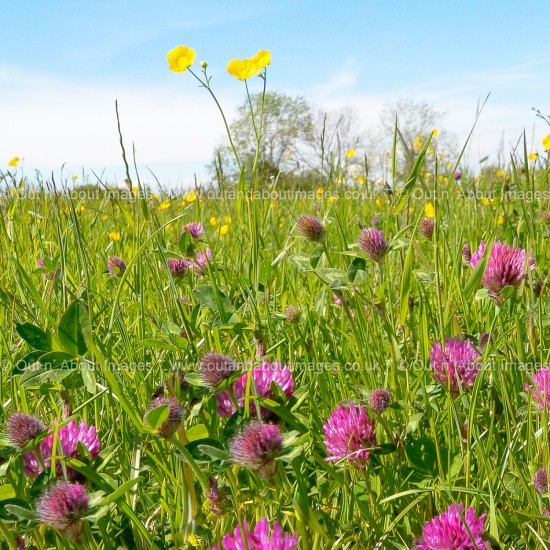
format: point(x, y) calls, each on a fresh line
point(297, 146)
point(286, 132)
point(416, 119)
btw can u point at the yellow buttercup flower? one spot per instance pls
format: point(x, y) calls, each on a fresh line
point(243, 69)
point(14, 161)
point(223, 229)
point(213, 221)
point(320, 193)
point(533, 156)
point(332, 198)
point(180, 59)
point(164, 204)
point(114, 235)
point(378, 203)
point(429, 210)
point(75, 177)
point(546, 142)
point(104, 217)
point(262, 59)
point(486, 202)
point(361, 180)
point(227, 219)
point(191, 196)
point(500, 220)
point(13, 191)
point(82, 208)
point(417, 142)
point(435, 132)
point(350, 153)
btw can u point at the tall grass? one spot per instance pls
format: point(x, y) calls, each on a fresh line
point(480, 448)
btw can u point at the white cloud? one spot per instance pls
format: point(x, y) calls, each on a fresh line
point(50, 123)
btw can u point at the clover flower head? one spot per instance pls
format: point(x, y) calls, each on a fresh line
point(22, 428)
point(263, 376)
point(541, 388)
point(116, 266)
point(62, 508)
point(68, 437)
point(456, 365)
point(311, 228)
point(175, 414)
point(215, 368)
point(260, 539)
point(373, 244)
point(256, 447)
point(349, 434)
point(449, 530)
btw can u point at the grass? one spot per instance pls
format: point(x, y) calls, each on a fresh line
point(480, 448)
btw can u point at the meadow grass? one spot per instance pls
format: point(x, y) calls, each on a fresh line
point(480, 448)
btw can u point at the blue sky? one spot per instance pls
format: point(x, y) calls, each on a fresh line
point(63, 64)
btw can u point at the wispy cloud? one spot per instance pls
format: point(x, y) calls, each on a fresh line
point(513, 90)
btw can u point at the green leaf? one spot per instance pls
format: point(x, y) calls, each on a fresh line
point(316, 256)
point(301, 261)
point(186, 244)
point(476, 276)
point(205, 295)
point(197, 432)
point(357, 271)
point(75, 329)
point(297, 422)
point(26, 361)
point(157, 416)
point(34, 336)
point(385, 449)
point(55, 359)
point(195, 379)
point(6, 492)
point(88, 377)
point(335, 278)
point(422, 454)
point(414, 422)
point(119, 492)
point(204, 449)
point(38, 376)
point(167, 328)
point(19, 511)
